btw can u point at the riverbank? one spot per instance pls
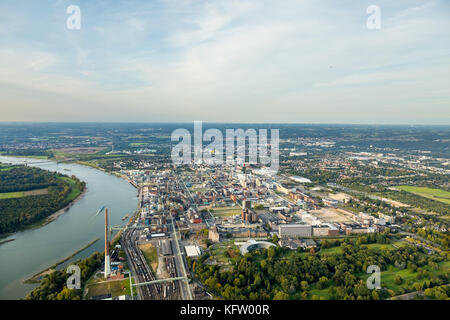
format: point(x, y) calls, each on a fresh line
point(113, 173)
point(55, 215)
point(36, 278)
point(41, 212)
point(33, 250)
point(46, 220)
point(5, 241)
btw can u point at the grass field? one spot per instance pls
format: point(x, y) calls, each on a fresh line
point(5, 168)
point(226, 211)
point(10, 195)
point(150, 254)
point(433, 194)
point(388, 276)
point(22, 156)
point(372, 246)
point(116, 288)
point(75, 191)
point(219, 252)
point(137, 144)
point(20, 194)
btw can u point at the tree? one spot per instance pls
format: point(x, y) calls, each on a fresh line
point(429, 292)
point(67, 294)
point(417, 286)
point(323, 282)
point(398, 280)
point(275, 239)
point(263, 264)
point(305, 295)
point(304, 285)
point(280, 295)
point(375, 295)
point(271, 252)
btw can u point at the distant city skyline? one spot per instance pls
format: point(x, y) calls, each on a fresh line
point(226, 61)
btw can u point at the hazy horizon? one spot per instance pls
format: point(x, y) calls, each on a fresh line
point(217, 122)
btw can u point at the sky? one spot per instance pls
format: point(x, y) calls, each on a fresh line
point(255, 61)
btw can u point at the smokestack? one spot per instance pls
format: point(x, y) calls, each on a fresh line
point(107, 261)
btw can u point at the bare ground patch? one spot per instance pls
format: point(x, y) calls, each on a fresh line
point(330, 215)
point(37, 192)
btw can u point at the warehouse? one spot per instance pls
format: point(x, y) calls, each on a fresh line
point(193, 251)
point(166, 248)
point(295, 230)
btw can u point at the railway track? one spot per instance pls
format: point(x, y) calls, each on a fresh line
point(140, 268)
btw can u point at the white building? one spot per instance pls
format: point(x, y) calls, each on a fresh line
point(300, 179)
point(193, 251)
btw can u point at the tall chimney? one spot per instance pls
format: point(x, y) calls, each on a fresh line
point(107, 260)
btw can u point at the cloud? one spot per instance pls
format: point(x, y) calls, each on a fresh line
point(242, 61)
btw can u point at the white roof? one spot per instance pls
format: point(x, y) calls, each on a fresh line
point(301, 179)
point(192, 251)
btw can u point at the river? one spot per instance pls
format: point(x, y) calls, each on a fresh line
point(35, 249)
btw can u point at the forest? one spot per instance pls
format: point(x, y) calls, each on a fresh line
point(19, 212)
point(279, 273)
point(53, 286)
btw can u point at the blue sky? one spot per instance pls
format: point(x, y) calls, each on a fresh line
point(304, 61)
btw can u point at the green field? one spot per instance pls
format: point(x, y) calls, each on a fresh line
point(23, 156)
point(116, 288)
point(433, 194)
point(332, 250)
point(5, 168)
point(10, 195)
point(372, 246)
point(75, 191)
point(226, 211)
point(137, 144)
point(150, 255)
point(21, 194)
point(388, 276)
point(218, 252)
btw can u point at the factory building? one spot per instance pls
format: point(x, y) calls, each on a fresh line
point(294, 230)
point(193, 251)
point(166, 247)
point(249, 216)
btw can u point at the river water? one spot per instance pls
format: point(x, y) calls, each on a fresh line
point(35, 249)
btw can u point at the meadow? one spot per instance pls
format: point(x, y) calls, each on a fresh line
point(433, 194)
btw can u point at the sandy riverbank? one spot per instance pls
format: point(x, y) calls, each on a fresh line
point(41, 274)
point(55, 215)
point(5, 241)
